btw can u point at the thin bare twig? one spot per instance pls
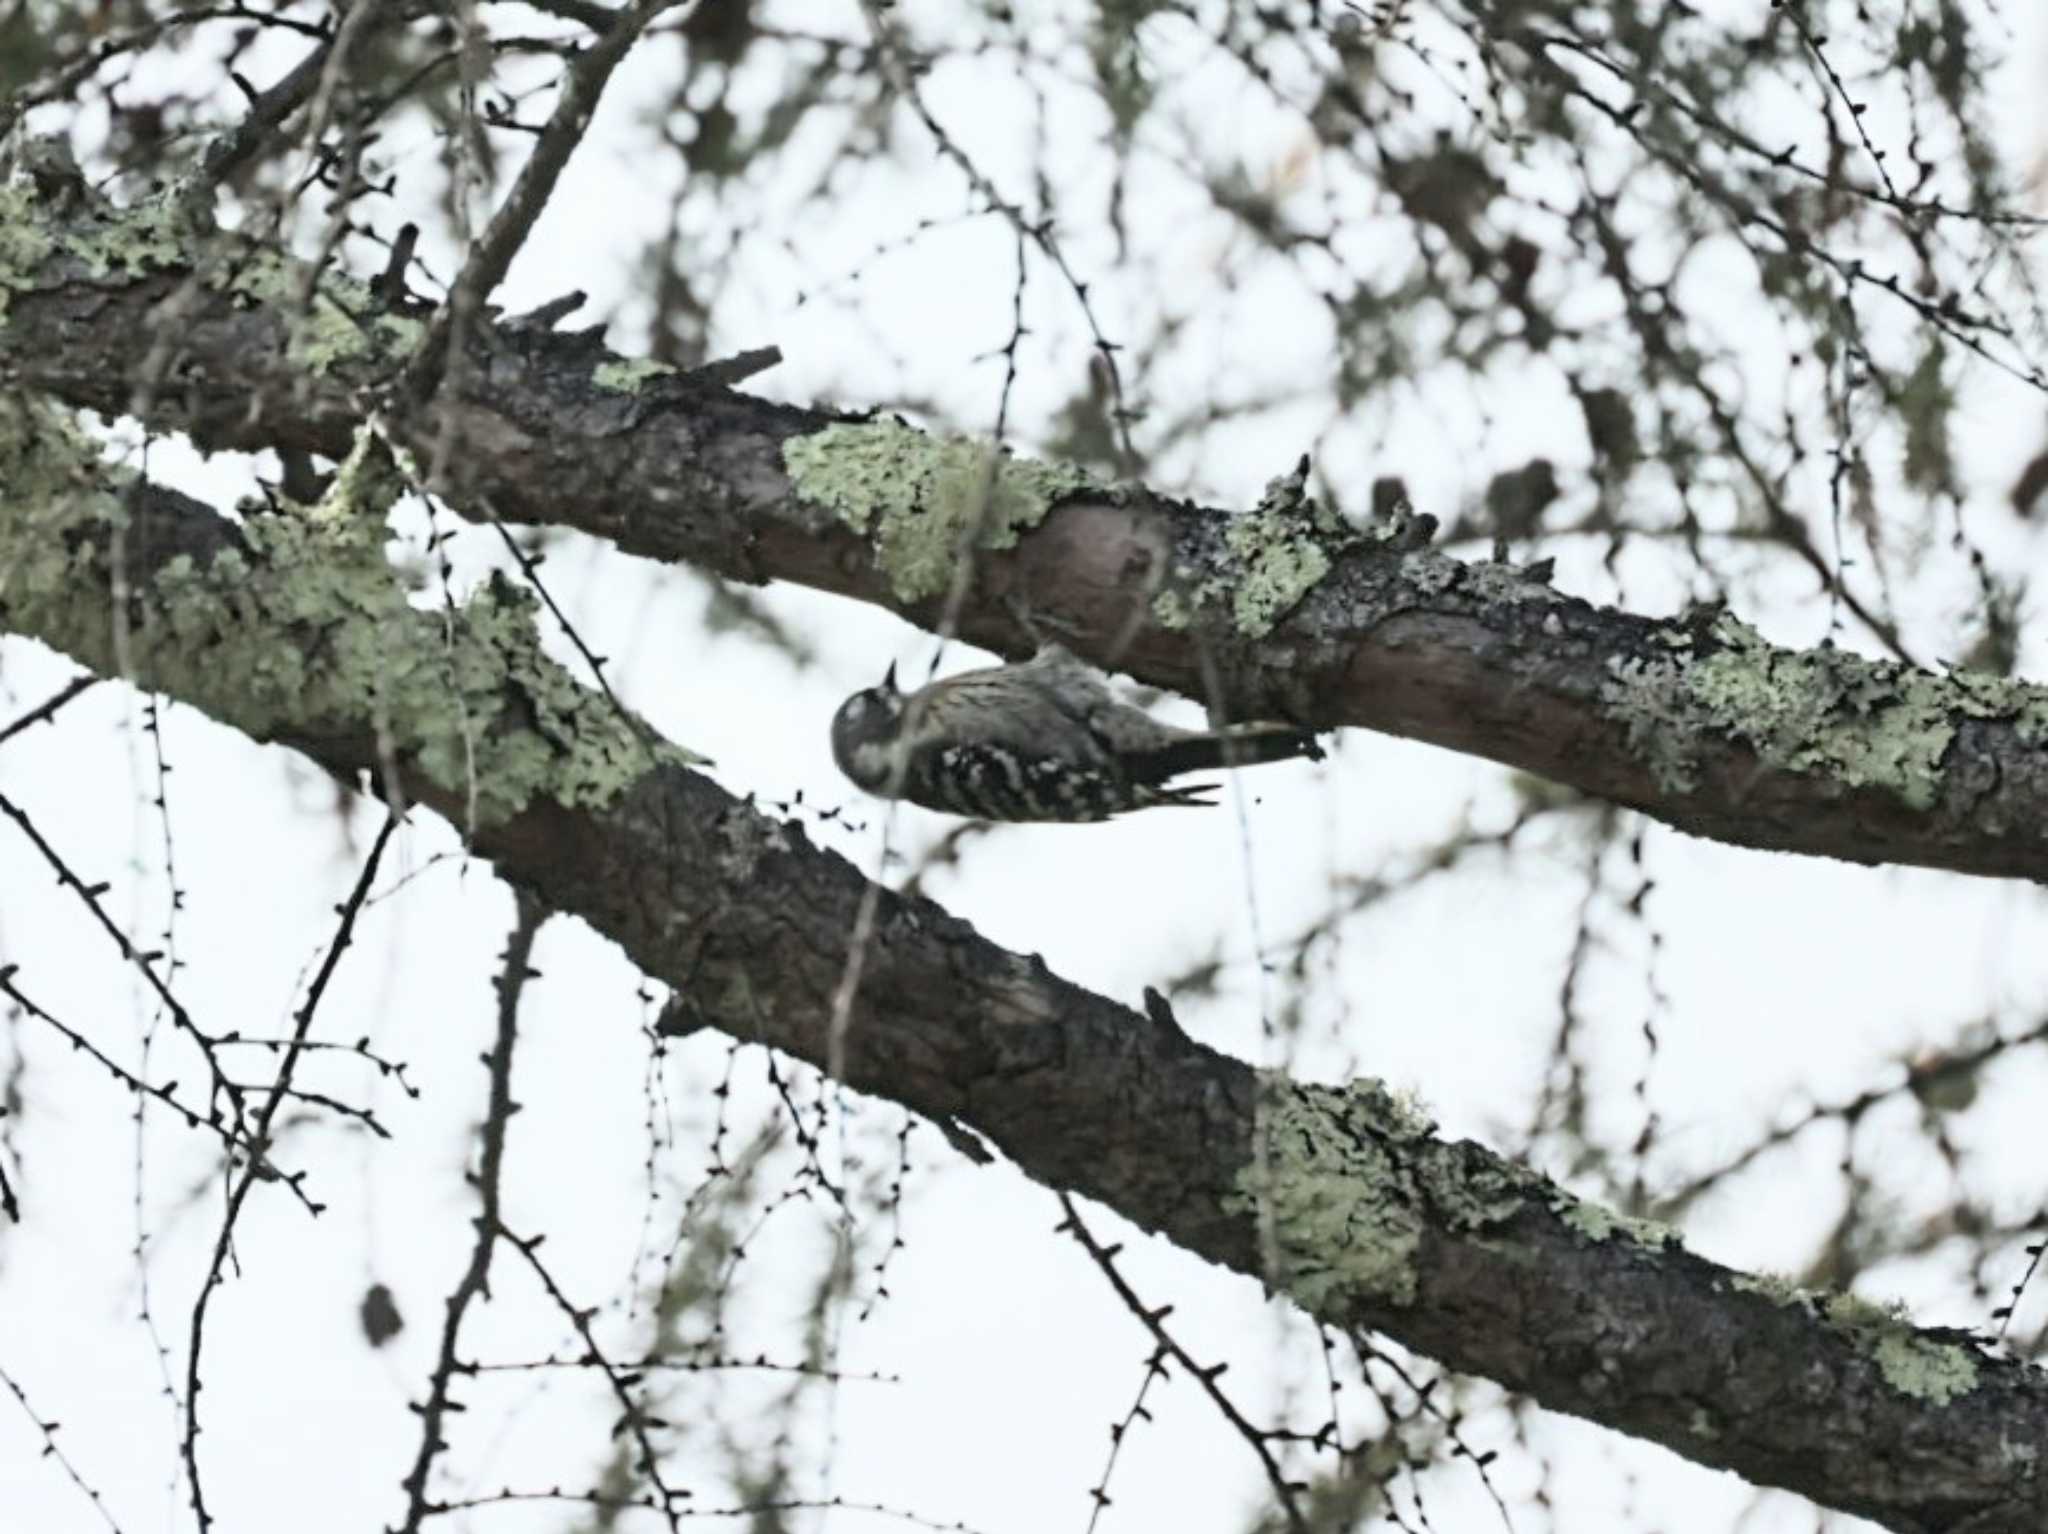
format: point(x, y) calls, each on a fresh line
point(52, 1450)
point(259, 1166)
point(49, 706)
point(1153, 1319)
point(634, 1418)
point(231, 150)
point(143, 960)
point(475, 1280)
point(509, 227)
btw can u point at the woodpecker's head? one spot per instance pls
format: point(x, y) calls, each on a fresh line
point(865, 732)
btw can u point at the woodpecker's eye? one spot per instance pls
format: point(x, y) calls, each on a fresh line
point(864, 713)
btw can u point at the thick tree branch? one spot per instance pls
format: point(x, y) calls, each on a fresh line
point(1287, 611)
point(293, 630)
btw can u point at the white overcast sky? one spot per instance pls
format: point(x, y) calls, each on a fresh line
point(1787, 981)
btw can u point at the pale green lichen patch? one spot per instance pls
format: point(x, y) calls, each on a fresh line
point(1982, 695)
point(1855, 1312)
point(1485, 1193)
point(154, 234)
point(1778, 1288)
point(307, 634)
point(1331, 1187)
point(334, 320)
point(1496, 582)
point(50, 471)
point(1929, 1371)
point(24, 243)
point(623, 375)
point(1427, 573)
point(1270, 559)
point(924, 499)
point(1912, 1363)
point(1172, 610)
point(1824, 712)
point(1596, 1222)
point(1647, 697)
point(1279, 561)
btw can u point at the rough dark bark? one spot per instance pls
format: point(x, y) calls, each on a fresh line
point(1694, 721)
point(1378, 1224)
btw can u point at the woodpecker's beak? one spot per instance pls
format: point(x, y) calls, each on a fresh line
point(889, 680)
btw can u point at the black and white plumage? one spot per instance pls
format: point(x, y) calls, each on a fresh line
point(1040, 740)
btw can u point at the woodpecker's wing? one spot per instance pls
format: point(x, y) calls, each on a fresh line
point(1151, 752)
point(1051, 705)
point(1087, 699)
point(1000, 707)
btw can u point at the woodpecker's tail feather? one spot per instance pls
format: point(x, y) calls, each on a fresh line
point(1237, 745)
point(1185, 796)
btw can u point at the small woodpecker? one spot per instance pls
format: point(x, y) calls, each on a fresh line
point(1040, 740)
